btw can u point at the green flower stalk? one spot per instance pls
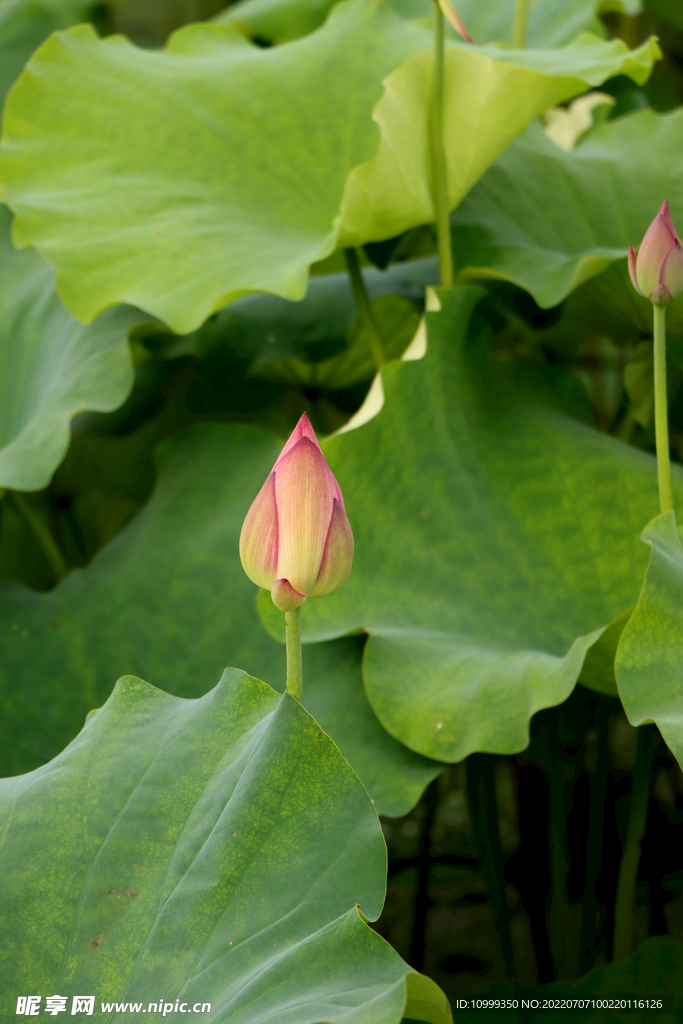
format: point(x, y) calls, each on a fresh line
point(657, 273)
point(296, 540)
point(442, 9)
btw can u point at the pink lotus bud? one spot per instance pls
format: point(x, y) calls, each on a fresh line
point(296, 540)
point(657, 270)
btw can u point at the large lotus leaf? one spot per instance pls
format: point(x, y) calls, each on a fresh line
point(649, 662)
point(496, 537)
point(547, 219)
point(51, 367)
point(180, 207)
point(212, 851)
point(24, 24)
point(490, 95)
point(168, 599)
point(549, 22)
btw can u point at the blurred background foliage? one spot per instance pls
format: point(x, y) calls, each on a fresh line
point(263, 361)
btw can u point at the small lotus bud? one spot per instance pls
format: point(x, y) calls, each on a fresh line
point(657, 270)
point(296, 540)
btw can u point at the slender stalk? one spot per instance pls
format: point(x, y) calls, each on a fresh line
point(666, 500)
point(439, 173)
point(41, 535)
point(418, 944)
point(364, 306)
point(560, 786)
point(595, 841)
point(519, 28)
point(481, 794)
point(630, 858)
point(294, 660)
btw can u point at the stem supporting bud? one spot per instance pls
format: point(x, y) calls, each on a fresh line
point(294, 658)
point(666, 500)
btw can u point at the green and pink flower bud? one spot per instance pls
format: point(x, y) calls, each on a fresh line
point(657, 270)
point(296, 540)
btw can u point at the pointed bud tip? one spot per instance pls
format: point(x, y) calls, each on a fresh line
point(301, 430)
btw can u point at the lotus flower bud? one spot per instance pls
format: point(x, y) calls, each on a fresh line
point(296, 540)
point(657, 270)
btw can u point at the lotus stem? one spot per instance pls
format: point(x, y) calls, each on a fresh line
point(294, 659)
point(595, 840)
point(666, 500)
point(481, 793)
point(519, 29)
point(364, 306)
point(630, 859)
point(42, 536)
point(430, 801)
point(439, 171)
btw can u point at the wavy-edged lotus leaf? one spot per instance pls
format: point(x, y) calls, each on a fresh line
point(167, 598)
point(649, 661)
point(217, 850)
point(24, 24)
point(185, 204)
point(51, 367)
point(180, 207)
point(547, 219)
point(549, 22)
point(471, 494)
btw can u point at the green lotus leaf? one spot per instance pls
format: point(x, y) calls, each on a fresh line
point(218, 851)
point(180, 207)
point(549, 22)
point(24, 24)
point(168, 599)
point(496, 538)
point(650, 652)
point(183, 206)
point(51, 367)
point(547, 219)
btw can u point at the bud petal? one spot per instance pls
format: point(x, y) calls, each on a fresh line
point(632, 263)
point(304, 496)
point(658, 268)
point(259, 537)
point(338, 554)
point(671, 276)
point(285, 597)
